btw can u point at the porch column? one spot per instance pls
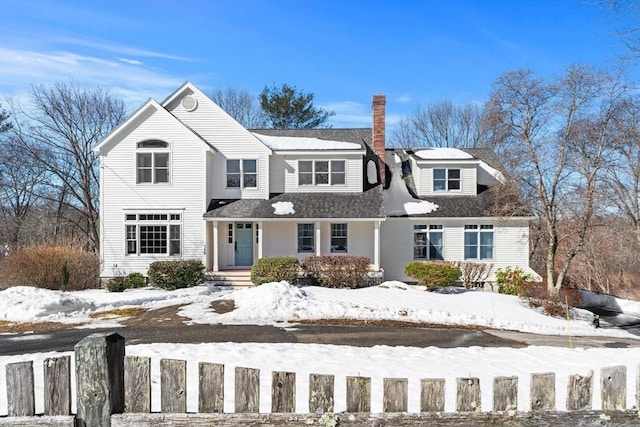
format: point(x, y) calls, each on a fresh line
point(207, 245)
point(316, 230)
point(376, 245)
point(259, 229)
point(215, 246)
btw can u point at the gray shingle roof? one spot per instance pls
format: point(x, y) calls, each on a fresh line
point(356, 135)
point(368, 204)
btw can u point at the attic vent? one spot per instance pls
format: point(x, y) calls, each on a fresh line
point(189, 103)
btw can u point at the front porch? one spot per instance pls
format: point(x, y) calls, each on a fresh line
point(233, 245)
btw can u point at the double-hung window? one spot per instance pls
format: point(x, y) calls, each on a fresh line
point(446, 179)
point(478, 242)
point(156, 233)
point(242, 173)
point(306, 241)
point(428, 242)
point(338, 238)
point(152, 162)
point(322, 172)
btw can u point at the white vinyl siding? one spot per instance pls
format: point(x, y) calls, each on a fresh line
point(287, 166)
point(426, 177)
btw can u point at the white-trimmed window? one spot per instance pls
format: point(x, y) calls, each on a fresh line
point(306, 238)
point(152, 162)
point(322, 172)
point(148, 233)
point(428, 242)
point(478, 242)
point(339, 238)
point(242, 173)
point(445, 179)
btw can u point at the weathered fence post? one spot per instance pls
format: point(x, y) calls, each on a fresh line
point(211, 387)
point(505, 394)
point(358, 394)
point(543, 392)
point(137, 384)
point(468, 396)
point(613, 387)
point(283, 392)
point(247, 393)
point(432, 395)
point(321, 392)
point(580, 392)
point(173, 385)
point(57, 386)
point(395, 396)
point(99, 379)
point(20, 393)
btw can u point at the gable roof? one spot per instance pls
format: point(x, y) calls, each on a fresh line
point(361, 136)
point(366, 205)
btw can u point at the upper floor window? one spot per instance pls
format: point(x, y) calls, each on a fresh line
point(478, 242)
point(338, 237)
point(321, 172)
point(446, 179)
point(242, 173)
point(428, 242)
point(306, 240)
point(153, 234)
point(152, 162)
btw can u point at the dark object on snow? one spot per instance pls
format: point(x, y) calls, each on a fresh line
point(596, 321)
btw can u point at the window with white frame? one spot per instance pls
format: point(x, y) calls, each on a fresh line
point(478, 242)
point(152, 162)
point(445, 179)
point(242, 173)
point(322, 172)
point(428, 242)
point(338, 238)
point(306, 240)
point(153, 234)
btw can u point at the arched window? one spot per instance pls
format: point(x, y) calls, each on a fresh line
point(152, 162)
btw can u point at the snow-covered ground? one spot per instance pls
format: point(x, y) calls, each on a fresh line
point(281, 304)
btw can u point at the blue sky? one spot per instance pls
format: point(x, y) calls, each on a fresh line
point(414, 52)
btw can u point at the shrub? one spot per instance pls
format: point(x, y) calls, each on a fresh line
point(536, 294)
point(510, 280)
point(433, 274)
point(172, 275)
point(120, 284)
point(338, 271)
point(44, 267)
point(135, 280)
point(275, 269)
point(117, 284)
point(474, 273)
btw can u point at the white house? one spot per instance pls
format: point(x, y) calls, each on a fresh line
point(182, 179)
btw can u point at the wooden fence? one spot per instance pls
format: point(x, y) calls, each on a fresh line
point(114, 390)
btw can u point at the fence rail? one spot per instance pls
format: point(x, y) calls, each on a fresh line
point(112, 389)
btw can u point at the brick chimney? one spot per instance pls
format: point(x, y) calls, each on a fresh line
point(378, 137)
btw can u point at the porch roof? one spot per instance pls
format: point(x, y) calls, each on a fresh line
point(368, 204)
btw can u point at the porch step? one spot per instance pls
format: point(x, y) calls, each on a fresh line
point(234, 278)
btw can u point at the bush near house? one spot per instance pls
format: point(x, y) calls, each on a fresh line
point(433, 274)
point(173, 275)
point(536, 295)
point(474, 273)
point(52, 267)
point(120, 284)
point(510, 280)
point(333, 271)
point(275, 269)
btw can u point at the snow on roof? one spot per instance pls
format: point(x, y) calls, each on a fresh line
point(443, 154)
point(487, 175)
point(283, 208)
point(398, 200)
point(304, 143)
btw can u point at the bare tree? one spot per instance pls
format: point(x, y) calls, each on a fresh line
point(240, 105)
point(59, 130)
point(557, 138)
point(444, 125)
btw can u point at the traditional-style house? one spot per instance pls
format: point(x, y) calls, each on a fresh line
point(182, 179)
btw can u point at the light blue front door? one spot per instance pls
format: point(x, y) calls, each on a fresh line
point(244, 243)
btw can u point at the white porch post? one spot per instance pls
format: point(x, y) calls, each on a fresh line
point(376, 245)
point(215, 246)
point(259, 228)
point(316, 230)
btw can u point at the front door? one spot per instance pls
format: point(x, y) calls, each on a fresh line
point(244, 243)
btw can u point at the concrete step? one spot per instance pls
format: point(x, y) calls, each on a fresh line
point(233, 278)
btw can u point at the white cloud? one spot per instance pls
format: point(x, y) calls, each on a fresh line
point(130, 61)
